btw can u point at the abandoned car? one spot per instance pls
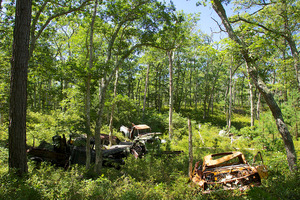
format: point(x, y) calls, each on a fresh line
point(139, 131)
point(142, 138)
point(227, 171)
point(62, 153)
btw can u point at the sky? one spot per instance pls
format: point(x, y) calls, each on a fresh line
point(206, 24)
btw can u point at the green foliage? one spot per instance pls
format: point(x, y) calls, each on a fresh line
point(249, 132)
point(42, 127)
point(57, 89)
point(156, 176)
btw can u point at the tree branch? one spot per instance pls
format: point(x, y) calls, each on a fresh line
point(259, 25)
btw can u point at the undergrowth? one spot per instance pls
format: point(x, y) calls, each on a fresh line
point(155, 176)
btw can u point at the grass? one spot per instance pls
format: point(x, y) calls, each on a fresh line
point(154, 177)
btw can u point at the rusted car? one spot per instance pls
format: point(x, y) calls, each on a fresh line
point(136, 131)
point(142, 138)
point(227, 171)
point(62, 153)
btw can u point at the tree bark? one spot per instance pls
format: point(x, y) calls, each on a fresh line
point(88, 91)
point(251, 102)
point(230, 100)
point(258, 107)
point(170, 55)
point(190, 149)
point(113, 109)
point(98, 145)
point(261, 86)
point(145, 91)
point(18, 87)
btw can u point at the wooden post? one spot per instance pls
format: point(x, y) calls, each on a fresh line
point(200, 134)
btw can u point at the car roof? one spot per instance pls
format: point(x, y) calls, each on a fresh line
point(141, 126)
point(215, 159)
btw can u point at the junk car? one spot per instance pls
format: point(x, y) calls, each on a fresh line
point(136, 131)
point(227, 171)
point(63, 153)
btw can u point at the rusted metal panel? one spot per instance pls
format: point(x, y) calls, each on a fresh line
point(228, 170)
point(213, 160)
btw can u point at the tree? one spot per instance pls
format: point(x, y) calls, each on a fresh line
point(279, 19)
point(88, 89)
point(130, 26)
point(46, 11)
point(146, 87)
point(113, 109)
point(261, 86)
point(170, 56)
point(172, 36)
point(18, 94)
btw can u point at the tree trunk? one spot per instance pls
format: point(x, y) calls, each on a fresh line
point(242, 92)
point(18, 87)
point(190, 149)
point(113, 109)
point(145, 91)
point(170, 55)
point(258, 106)
point(225, 101)
point(88, 122)
point(159, 91)
point(251, 103)
point(211, 98)
point(88, 90)
point(230, 100)
point(261, 86)
point(98, 144)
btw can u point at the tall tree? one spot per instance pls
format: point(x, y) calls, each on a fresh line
point(170, 56)
point(18, 94)
point(145, 90)
point(277, 18)
point(261, 86)
point(113, 109)
point(88, 89)
point(132, 25)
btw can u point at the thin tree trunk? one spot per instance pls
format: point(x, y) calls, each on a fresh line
point(201, 135)
point(190, 149)
point(159, 91)
point(226, 95)
point(18, 88)
point(145, 91)
point(211, 98)
point(88, 122)
point(261, 86)
point(138, 97)
point(88, 91)
point(230, 100)
point(242, 93)
point(251, 103)
point(258, 107)
point(98, 144)
point(170, 55)
point(113, 110)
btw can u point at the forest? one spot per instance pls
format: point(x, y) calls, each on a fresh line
point(84, 68)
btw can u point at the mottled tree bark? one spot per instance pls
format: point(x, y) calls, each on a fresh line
point(18, 87)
